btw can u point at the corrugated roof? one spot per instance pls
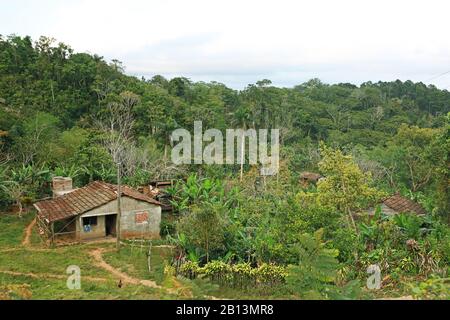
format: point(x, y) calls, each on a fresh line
point(84, 199)
point(401, 204)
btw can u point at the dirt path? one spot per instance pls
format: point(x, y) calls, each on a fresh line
point(49, 276)
point(165, 246)
point(28, 231)
point(97, 254)
point(98, 261)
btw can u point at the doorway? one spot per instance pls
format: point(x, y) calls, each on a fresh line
point(110, 225)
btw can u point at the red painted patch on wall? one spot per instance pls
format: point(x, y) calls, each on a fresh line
point(141, 217)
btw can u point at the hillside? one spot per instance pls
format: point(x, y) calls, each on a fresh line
point(238, 233)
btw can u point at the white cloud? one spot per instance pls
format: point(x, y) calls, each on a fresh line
point(243, 41)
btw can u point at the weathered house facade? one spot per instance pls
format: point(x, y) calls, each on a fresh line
point(90, 212)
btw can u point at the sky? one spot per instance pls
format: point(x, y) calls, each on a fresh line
point(241, 42)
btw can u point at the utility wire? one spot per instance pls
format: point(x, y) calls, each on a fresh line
point(438, 76)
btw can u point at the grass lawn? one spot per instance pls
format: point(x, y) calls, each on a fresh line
point(49, 269)
point(48, 263)
point(133, 261)
point(12, 229)
point(38, 272)
point(56, 289)
point(54, 261)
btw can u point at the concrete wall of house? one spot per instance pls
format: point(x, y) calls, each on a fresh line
point(129, 227)
point(96, 231)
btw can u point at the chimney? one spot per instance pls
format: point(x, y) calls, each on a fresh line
point(61, 186)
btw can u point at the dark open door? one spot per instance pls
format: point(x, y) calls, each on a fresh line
point(110, 225)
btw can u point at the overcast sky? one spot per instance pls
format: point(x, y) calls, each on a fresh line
point(241, 42)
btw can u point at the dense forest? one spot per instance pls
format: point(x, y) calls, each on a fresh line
point(64, 113)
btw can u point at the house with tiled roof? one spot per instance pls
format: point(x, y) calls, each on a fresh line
point(90, 212)
point(396, 204)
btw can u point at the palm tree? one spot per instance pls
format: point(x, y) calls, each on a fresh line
point(242, 118)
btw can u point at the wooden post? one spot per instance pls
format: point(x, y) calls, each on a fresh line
point(149, 257)
point(78, 229)
point(52, 227)
point(119, 209)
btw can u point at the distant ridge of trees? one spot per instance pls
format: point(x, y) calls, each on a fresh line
point(51, 100)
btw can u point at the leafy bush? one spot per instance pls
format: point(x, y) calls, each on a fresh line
point(405, 244)
point(409, 224)
point(167, 228)
point(204, 229)
point(433, 288)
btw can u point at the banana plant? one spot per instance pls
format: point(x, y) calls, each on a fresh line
point(28, 174)
point(195, 191)
point(103, 173)
point(67, 171)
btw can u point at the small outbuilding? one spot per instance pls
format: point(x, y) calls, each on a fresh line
point(158, 190)
point(307, 178)
point(396, 204)
point(90, 212)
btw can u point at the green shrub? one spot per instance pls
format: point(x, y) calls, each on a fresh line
point(410, 224)
point(167, 228)
point(433, 288)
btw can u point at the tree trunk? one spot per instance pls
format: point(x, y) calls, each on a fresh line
point(353, 224)
point(207, 251)
point(242, 154)
point(19, 204)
